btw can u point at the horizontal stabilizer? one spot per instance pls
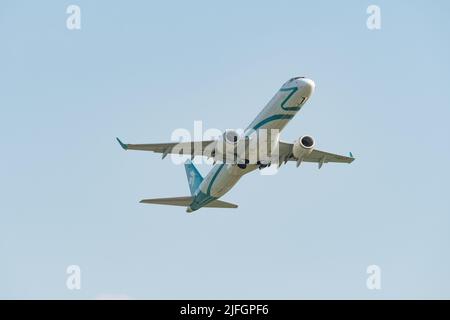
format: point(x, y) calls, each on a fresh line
point(176, 201)
point(220, 204)
point(186, 202)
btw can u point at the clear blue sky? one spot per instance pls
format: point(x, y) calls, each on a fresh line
point(140, 69)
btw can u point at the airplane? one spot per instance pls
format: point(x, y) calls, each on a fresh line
point(236, 161)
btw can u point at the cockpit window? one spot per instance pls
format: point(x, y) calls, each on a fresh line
point(295, 78)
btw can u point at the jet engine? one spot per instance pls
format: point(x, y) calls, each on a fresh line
point(228, 148)
point(303, 147)
point(231, 137)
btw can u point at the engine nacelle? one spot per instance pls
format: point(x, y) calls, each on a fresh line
point(231, 137)
point(227, 149)
point(303, 147)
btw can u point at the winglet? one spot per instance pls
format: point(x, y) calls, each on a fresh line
point(351, 155)
point(123, 145)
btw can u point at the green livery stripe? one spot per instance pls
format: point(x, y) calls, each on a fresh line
point(208, 191)
point(292, 91)
point(201, 199)
point(273, 118)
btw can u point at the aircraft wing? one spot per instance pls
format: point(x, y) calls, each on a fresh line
point(196, 148)
point(316, 156)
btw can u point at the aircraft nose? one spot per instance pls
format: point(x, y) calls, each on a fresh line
point(307, 85)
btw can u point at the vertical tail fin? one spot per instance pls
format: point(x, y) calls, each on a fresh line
point(194, 177)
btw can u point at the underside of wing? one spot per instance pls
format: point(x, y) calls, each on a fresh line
point(207, 148)
point(194, 148)
point(315, 155)
point(322, 156)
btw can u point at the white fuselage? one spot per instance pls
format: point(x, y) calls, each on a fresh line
point(275, 115)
